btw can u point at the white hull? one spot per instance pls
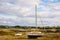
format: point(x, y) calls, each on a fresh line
point(34, 34)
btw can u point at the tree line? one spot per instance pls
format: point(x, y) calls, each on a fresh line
point(17, 26)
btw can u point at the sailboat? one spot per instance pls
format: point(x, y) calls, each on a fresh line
point(35, 34)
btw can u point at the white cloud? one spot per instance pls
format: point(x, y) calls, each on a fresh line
point(8, 17)
point(21, 11)
point(55, 6)
point(19, 8)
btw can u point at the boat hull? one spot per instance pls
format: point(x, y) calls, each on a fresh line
point(34, 36)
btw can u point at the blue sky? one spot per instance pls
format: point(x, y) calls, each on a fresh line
point(21, 12)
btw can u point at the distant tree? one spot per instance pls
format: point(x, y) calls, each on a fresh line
point(58, 27)
point(1, 26)
point(53, 27)
point(17, 26)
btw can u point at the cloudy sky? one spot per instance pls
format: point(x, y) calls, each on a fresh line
point(21, 12)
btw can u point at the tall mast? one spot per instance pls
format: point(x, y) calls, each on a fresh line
point(36, 15)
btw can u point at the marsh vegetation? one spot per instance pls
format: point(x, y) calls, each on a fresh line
point(8, 33)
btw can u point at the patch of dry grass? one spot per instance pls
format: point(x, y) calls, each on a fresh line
point(9, 34)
